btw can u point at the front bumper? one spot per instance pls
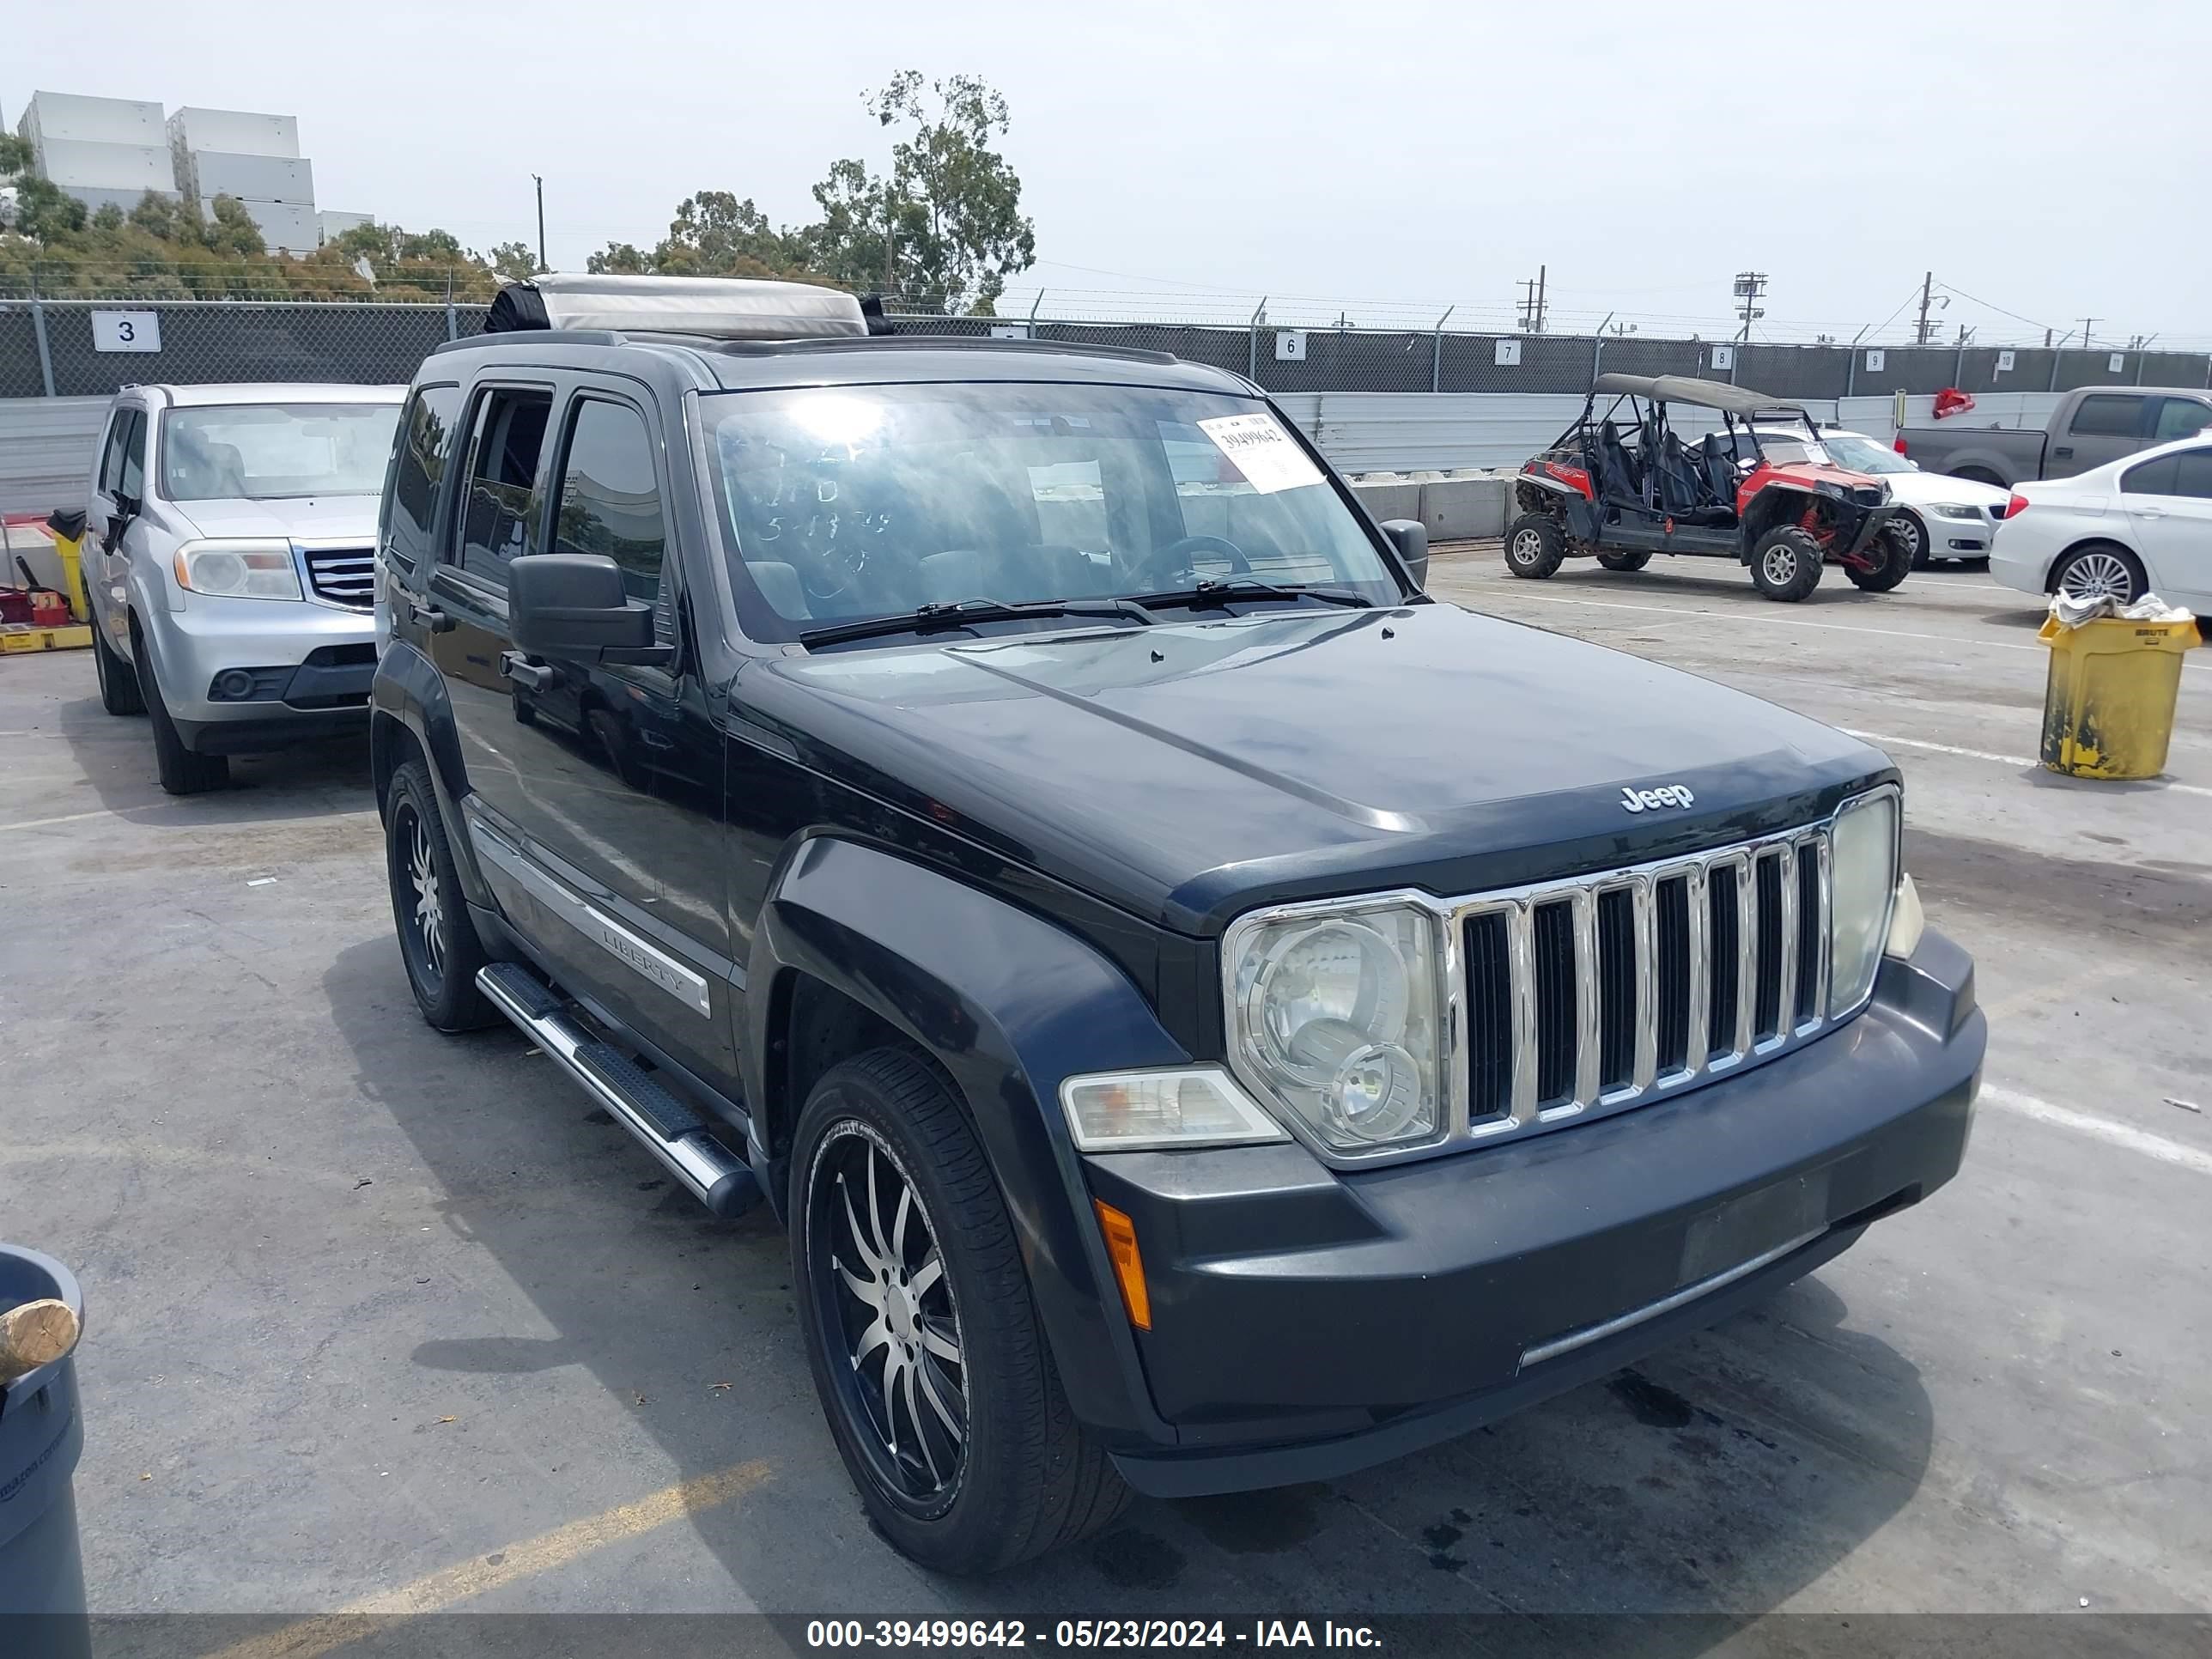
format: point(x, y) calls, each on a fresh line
point(1307, 1324)
point(309, 665)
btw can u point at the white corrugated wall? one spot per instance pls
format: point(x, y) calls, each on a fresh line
point(46, 451)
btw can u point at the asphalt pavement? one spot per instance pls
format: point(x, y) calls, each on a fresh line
point(383, 1319)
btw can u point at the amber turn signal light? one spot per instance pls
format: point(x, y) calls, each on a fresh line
point(1128, 1266)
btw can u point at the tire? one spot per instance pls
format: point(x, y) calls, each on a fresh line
point(1624, 562)
point(438, 941)
point(1785, 565)
point(1534, 544)
point(995, 1470)
point(1911, 525)
point(2098, 568)
point(181, 771)
point(119, 680)
point(1897, 563)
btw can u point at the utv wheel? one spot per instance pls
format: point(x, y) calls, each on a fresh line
point(922, 1332)
point(437, 940)
point(1534, 545)
point(2100, 570)
point(182, 772)
point(1896, 562)
point(1786, 564)
point(119, 680)
point(1624, 561)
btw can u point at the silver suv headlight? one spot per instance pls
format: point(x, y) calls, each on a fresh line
point(1863, 883)
point(1335, 1021)
point(232, 569)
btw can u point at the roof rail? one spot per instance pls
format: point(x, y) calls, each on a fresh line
point(944, 343)
point(716, 308)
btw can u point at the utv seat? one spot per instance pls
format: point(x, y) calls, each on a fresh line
point(1719, 461)
point(1683, 488)
point(1617, 471)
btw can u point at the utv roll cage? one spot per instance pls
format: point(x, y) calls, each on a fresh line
point(1696, 484)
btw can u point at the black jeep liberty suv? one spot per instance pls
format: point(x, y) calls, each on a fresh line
point(1207, 1016)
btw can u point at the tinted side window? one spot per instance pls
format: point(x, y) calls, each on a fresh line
point(2179, 417)
point(2193, 469)
point(610, 496)
point(2107, 417)
point(426, 448)
point(132, 480)
point(497, 515)
point(111, 452)
point(2152, 478)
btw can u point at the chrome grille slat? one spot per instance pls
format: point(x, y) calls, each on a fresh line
point(1617, 977)
point(344, 575)
point(1697, 1045)
point(1647, 1004)
point(1520, 953)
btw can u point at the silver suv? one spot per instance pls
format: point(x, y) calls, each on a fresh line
point(229, 560)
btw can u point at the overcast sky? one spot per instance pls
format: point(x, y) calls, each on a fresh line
point(2047, 157)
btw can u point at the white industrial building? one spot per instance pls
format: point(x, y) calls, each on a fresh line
point(104, 151)
point(109, 151)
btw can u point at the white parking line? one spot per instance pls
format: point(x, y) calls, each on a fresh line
point(2192, 1158)
point(1985, 755)
point(1777, 621)
point(1735, 616)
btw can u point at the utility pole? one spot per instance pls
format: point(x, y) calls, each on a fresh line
point(1749, 285)
point(890, 239)
point(538, 178)
point(2085, 322)
point(1532, 302)
point(1927, 288)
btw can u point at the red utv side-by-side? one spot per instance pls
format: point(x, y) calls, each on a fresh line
point(1621, 489)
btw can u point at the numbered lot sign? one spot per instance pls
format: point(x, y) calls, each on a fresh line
point(126, 331)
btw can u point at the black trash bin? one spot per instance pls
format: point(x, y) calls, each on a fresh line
point(42, 1611)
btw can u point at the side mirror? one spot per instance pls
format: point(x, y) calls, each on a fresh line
point(573, 605)
point(1411, 537)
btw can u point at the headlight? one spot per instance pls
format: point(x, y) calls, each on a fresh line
point(1862, 886)
point(1334, 1020)
point(1949, 511)
point(1137, 1111)
point(238, 570)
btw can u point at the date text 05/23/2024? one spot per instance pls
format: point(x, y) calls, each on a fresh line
point(830, 1633)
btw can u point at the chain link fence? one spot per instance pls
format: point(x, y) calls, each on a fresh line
point(88, 348)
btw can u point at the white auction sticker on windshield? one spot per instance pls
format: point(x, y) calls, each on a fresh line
point(1268, 457)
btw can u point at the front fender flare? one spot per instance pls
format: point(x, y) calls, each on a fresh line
point(1008, 1004)
point(408, 692)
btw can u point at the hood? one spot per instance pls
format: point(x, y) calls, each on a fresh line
point(1812, 474)
point(1929, 488)
point(303, 518)
point(1188, 771)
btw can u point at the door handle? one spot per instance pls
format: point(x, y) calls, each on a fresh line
point(429, 617)
point(523, 672)
point(2150, 513)
point(2064, 452)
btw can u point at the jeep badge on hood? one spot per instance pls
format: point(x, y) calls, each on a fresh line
point(1650, 801)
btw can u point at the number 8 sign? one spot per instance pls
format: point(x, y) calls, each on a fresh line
point(126, 331)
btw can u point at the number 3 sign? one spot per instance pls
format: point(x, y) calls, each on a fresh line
point(126, 331)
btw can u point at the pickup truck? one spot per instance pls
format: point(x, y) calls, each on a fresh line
point(1183, 1054)
point(2091, 426)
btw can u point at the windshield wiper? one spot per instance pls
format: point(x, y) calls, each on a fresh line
point(1229, 590)
point(960, 613)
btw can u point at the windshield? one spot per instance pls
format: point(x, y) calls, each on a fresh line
point(868, 501)
point(273, 451)
point(1848, 449)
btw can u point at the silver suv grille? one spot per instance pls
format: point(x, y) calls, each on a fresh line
point(1593, 993)
point(344, 575)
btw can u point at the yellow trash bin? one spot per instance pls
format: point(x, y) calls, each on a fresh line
point(2108, 706)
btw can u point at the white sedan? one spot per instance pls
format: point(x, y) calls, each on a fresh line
point(2141, 523)
point(1944, 518)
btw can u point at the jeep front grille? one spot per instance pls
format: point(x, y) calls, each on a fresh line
point(344, 575)
point(1591, 993)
